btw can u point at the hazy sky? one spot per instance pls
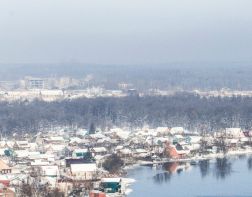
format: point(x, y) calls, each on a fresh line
point(125, 31)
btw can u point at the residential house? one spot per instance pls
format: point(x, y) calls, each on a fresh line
point(84, 171)
point(4, 168)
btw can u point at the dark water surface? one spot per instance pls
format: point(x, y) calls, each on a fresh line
point(227, 177)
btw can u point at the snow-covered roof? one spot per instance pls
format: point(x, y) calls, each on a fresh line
point(56, 138)
point(99, 149)
point(179, 136)
point(2, 151)
point(56, 147)
point(8, 143)
point(111, 180)
point(103, 140)
point(39, 162)
point(81, 132)
point(175, 130)
point(125, 151)
point(84, 150)
point(119, 148)
point(162, 129)
point(97, 135)
point(195, 139)
point(50, 170)
point(22, 153)
point(84, 167)
point(3, 165)
point(33, 153)
point(143, 154)
point(116, 130)
point(75, 139)
point(20, 143)
point(45, 156)
point(244, 139)
point(233, 130)
point(123, 134)
point(234, 141)
point(140, 150)
point(33, 145)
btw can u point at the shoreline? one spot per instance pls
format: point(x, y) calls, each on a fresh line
point(191, 159)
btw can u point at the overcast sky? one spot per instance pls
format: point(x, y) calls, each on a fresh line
point(125, 31)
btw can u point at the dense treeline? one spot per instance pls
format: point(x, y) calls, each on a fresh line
point(187, 110)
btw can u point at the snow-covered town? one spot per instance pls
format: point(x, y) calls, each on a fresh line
point(125, 98)
point(94, 163)
point(68, 88)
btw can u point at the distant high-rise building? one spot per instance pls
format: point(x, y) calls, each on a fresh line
point(124, 86)
point(36, 83)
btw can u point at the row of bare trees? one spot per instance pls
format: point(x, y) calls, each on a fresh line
point(187, 110)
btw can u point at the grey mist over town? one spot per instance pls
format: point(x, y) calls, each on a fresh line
point(123, 98)
point(125, 32)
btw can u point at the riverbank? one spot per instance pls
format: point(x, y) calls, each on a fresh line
point(194, 158)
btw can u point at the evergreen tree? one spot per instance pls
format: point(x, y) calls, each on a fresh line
point(92, 128)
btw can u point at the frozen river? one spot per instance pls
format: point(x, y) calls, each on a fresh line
point(231, 177)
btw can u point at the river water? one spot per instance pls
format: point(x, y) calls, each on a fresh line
point(226, 177)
